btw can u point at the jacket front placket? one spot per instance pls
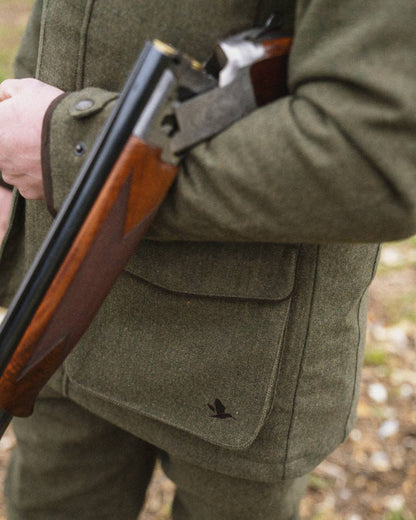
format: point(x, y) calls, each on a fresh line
point(62, 43)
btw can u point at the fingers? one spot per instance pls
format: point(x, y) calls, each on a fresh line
point(8, 177)
point(28, 185)
point(11, 87)
point(8, 88)
point(3, 95)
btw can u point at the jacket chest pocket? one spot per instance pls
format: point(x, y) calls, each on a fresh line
point(191, 336)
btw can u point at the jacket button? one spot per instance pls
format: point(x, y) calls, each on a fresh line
point(84, 104)
point(79, 148)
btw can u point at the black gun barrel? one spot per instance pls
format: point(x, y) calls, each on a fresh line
point(132, 102)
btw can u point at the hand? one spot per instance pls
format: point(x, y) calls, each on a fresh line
point(23, 103)
point(5, 203)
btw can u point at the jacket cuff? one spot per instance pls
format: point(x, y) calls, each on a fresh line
point(71, 125)
point(45, 154)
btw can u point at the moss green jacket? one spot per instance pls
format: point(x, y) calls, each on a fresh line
point(251, 287)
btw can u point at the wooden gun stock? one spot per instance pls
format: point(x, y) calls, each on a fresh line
point(269, 75)
point(117, 221)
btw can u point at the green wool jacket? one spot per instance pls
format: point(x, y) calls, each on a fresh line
point(251, 286)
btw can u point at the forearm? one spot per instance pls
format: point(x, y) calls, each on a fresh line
point(335, 161)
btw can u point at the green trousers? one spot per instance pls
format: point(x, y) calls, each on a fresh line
point(72, 465)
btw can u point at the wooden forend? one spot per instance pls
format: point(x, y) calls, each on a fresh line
point(117, 221)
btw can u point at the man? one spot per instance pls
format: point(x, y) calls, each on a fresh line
point(231, 346)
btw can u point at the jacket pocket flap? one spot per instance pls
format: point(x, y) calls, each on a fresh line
point(206, 366)
point(236, 270)
point(199, 362)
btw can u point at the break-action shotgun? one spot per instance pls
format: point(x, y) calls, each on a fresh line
point(168, 104)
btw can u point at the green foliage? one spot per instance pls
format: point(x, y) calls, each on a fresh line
point(7, 49)
point(326, 516)
point(412, 242)
point(318, 483)
point(376, 356)
point(399, 515)
point(13, 16)
point(404, 308)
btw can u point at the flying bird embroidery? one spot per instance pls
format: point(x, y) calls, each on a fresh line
point(219, 410)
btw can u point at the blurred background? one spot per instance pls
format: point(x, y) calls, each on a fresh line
point(372, 476)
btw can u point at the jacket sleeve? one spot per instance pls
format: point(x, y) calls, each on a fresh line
point(334, 161)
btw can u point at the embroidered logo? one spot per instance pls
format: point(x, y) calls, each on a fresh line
point(219, 410)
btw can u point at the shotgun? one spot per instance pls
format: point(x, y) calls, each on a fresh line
point(169, 103)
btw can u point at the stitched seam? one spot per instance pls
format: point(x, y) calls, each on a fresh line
point(354, 391)
point(79, 82)
point(41, 38)
point(271, 388)
point(283, 345)
point(292, 417)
